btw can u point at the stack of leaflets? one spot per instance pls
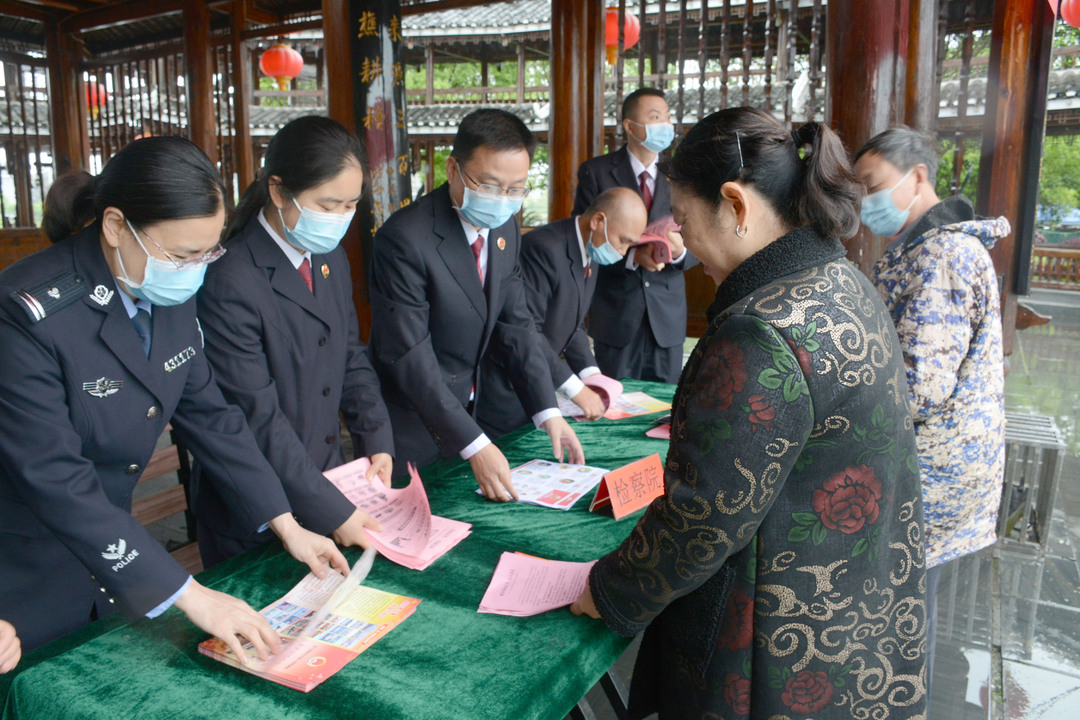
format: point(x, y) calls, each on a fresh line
point(324, 624)
point(411, 535)
point(526, 585)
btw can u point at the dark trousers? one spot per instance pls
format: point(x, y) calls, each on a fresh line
point(641, 358)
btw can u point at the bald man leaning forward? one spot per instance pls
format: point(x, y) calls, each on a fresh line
point(559, 266)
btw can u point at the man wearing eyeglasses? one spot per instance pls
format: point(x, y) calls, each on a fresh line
point(638, 314)
point(446, 292)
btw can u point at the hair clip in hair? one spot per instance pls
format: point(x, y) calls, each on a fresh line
point(738, 143)
point(800, 144)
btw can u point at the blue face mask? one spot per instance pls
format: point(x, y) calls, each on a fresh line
point(881, 215)
point(488, 211)
point(606, 254)
point(658, 136)
point(163, 283)
point(317, 232)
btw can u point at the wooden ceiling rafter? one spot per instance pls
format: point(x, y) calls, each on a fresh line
point(27, 10)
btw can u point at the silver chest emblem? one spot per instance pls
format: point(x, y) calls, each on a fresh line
point(54, 293)
point(103, 387)
point(102, 295)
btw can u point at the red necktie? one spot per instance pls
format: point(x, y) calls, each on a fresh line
point(646, 194)
point(477, 248)
point(305, 272)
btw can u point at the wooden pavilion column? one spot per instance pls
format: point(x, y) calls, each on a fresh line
point(921, 91)
point(67, 111)
point(1013, 127)
point(577, 97)
point(243, 153)
point(199, 80)
point(867, 53)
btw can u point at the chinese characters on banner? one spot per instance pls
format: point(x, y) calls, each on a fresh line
point(380, 107)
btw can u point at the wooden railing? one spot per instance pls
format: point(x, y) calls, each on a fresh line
point(1055, 268)
point(480, 95)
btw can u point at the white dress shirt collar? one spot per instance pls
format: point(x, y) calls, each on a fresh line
point(296, 257)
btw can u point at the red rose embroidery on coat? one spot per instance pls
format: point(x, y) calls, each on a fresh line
point(761, 413)
point(806, 361)
point(808, 691)
point(723, 373)
point(849, 499)
point(737, 693)
point(738, 629)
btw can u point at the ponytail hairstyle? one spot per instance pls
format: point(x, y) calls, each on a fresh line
point(305, 153)
point(150, 180)
point(804, 174)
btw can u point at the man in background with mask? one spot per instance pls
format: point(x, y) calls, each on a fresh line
point(559, 264)
point(446, 292)
point(939, 283)
point(638, 317)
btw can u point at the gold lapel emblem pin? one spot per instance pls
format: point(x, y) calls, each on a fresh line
point(325, 270)
point(501, 243)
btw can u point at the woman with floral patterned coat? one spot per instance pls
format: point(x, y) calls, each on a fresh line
point(781, 574)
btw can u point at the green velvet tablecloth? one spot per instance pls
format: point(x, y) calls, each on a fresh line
point(446, 661)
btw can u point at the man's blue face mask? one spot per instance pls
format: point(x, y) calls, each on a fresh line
point(881, 215)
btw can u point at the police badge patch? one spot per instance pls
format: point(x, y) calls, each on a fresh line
point(103, 387)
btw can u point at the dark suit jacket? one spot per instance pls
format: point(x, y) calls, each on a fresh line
point(558, 294)
point(291, 360)
point(433, 322)
point(73, 448)
point(623, 297)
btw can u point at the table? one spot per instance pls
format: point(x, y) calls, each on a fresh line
point(446, 661)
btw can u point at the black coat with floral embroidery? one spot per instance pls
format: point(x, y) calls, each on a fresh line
point(782, 572)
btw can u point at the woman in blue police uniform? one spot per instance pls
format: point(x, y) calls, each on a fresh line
point(283, 339)
point(101, 349)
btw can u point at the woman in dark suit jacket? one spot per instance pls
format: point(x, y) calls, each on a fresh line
point(282, 335)
point(781, 574)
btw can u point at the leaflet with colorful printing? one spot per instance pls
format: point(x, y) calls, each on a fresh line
point(553, 485)
point(526, 585)
point(633, 404)
point(411, 535)
point(607, 388)
point(323, 624)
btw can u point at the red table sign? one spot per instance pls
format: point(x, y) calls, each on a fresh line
point(631, 487)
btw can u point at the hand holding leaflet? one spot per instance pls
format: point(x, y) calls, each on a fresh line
point(524, 585)
point(324, 623)
point(554, 485)
point(411, 535)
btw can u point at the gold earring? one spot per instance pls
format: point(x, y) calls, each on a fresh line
point(745, 229)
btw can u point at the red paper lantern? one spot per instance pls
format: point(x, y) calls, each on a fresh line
point(1070, 12)
point(631, 33)
point(96, 96)
point(282, 63)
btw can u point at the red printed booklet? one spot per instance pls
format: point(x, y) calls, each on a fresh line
point(323, 624)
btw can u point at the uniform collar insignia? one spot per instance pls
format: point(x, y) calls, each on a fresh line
point(102, 295)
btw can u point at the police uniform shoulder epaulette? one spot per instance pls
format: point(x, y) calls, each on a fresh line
point(49, 296)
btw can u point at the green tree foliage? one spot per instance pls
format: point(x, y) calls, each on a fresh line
point(1059, 182)
point(969, 174)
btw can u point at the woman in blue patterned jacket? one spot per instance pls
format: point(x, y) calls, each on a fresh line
point(781, 573)
point(938, 281)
